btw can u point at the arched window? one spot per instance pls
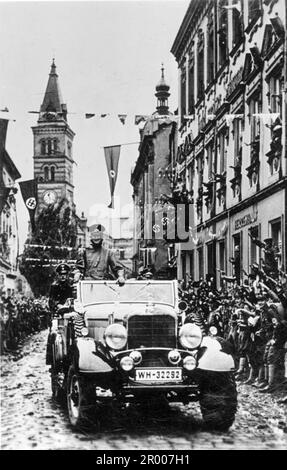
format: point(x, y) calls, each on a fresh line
point(46, 173)
point(43, 147)
point(49, 146)
point(52, 173)
point(55, 141)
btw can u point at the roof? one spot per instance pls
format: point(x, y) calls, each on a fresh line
point(187, 25)
point(53, 99)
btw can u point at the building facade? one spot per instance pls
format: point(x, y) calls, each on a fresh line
point(9, 236)
point(231, 58)
point(151, 179)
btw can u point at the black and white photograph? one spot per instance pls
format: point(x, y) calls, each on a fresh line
point(143, 214)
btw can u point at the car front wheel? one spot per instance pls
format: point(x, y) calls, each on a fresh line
point(78, 400)
point(218, 400)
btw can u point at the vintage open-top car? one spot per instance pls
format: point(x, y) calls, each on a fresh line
point(129, 341)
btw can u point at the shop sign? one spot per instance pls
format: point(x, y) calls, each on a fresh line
point(246, 220)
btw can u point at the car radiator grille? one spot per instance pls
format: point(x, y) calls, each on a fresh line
point(151, 331)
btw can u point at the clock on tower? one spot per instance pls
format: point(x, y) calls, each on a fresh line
point(50, 197)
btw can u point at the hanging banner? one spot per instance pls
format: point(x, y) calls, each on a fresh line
point(29, 194)
point(3, 133)
point(4, 192)
point(112, 155)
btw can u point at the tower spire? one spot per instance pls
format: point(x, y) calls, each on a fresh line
point(162, 94)
point(52, 106)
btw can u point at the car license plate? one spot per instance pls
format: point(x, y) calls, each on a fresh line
point(158, 375)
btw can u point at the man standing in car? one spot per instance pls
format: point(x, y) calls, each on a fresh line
point(97, 262)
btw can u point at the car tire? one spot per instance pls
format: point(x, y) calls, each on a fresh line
point(218, 400)
point(79, 400)
point(57, 378)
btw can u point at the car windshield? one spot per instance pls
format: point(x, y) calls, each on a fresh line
point(149, 291)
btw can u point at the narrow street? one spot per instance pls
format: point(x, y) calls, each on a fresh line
point(32, 420)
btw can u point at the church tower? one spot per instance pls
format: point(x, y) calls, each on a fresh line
point(53, 147)
point(162, 94)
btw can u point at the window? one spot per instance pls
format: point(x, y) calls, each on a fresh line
point(200, 263)
point(200, 171)
point(183, 264)
point(200, 65)
point(191, 87)
point(254, 10)
point(43, 147)
point(49, 146)
point(55, 142)
point(221, 253)
point(52, 173)
point(210, 54)
point(210, 160)
point(237, 256)
point(46, 173)
point(276, 234)
point(122, 254)
point(237, 22)
point(222, 144)
point(254, 110)
point(211, 259)
point(275, 96)
point(191, 263)
point(222, 33)
point(183, 92)
point(190, 178)
point(69, 149)
point(254, 249)
point(237, 136)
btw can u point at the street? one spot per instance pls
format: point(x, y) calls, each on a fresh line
point(30, 419)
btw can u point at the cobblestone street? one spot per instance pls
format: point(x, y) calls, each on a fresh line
point(30, 419)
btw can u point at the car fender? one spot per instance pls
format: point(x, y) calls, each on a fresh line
point(213, 358)
point(88, 360)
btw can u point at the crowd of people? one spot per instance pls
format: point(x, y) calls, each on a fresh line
point(21, 316)
point(252, 316)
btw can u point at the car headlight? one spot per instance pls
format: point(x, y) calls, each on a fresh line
point(136, 357)
point(189, 363)
point(174, 357)
point(190, 336)
point(213, 330)
point(116, 336)
point(127, 363)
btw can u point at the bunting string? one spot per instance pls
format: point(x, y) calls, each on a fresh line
point(46, 247)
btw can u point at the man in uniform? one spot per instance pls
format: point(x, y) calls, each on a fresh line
point(97, 262)
point(61, 289)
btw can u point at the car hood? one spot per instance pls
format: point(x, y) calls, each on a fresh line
point(121, 311)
